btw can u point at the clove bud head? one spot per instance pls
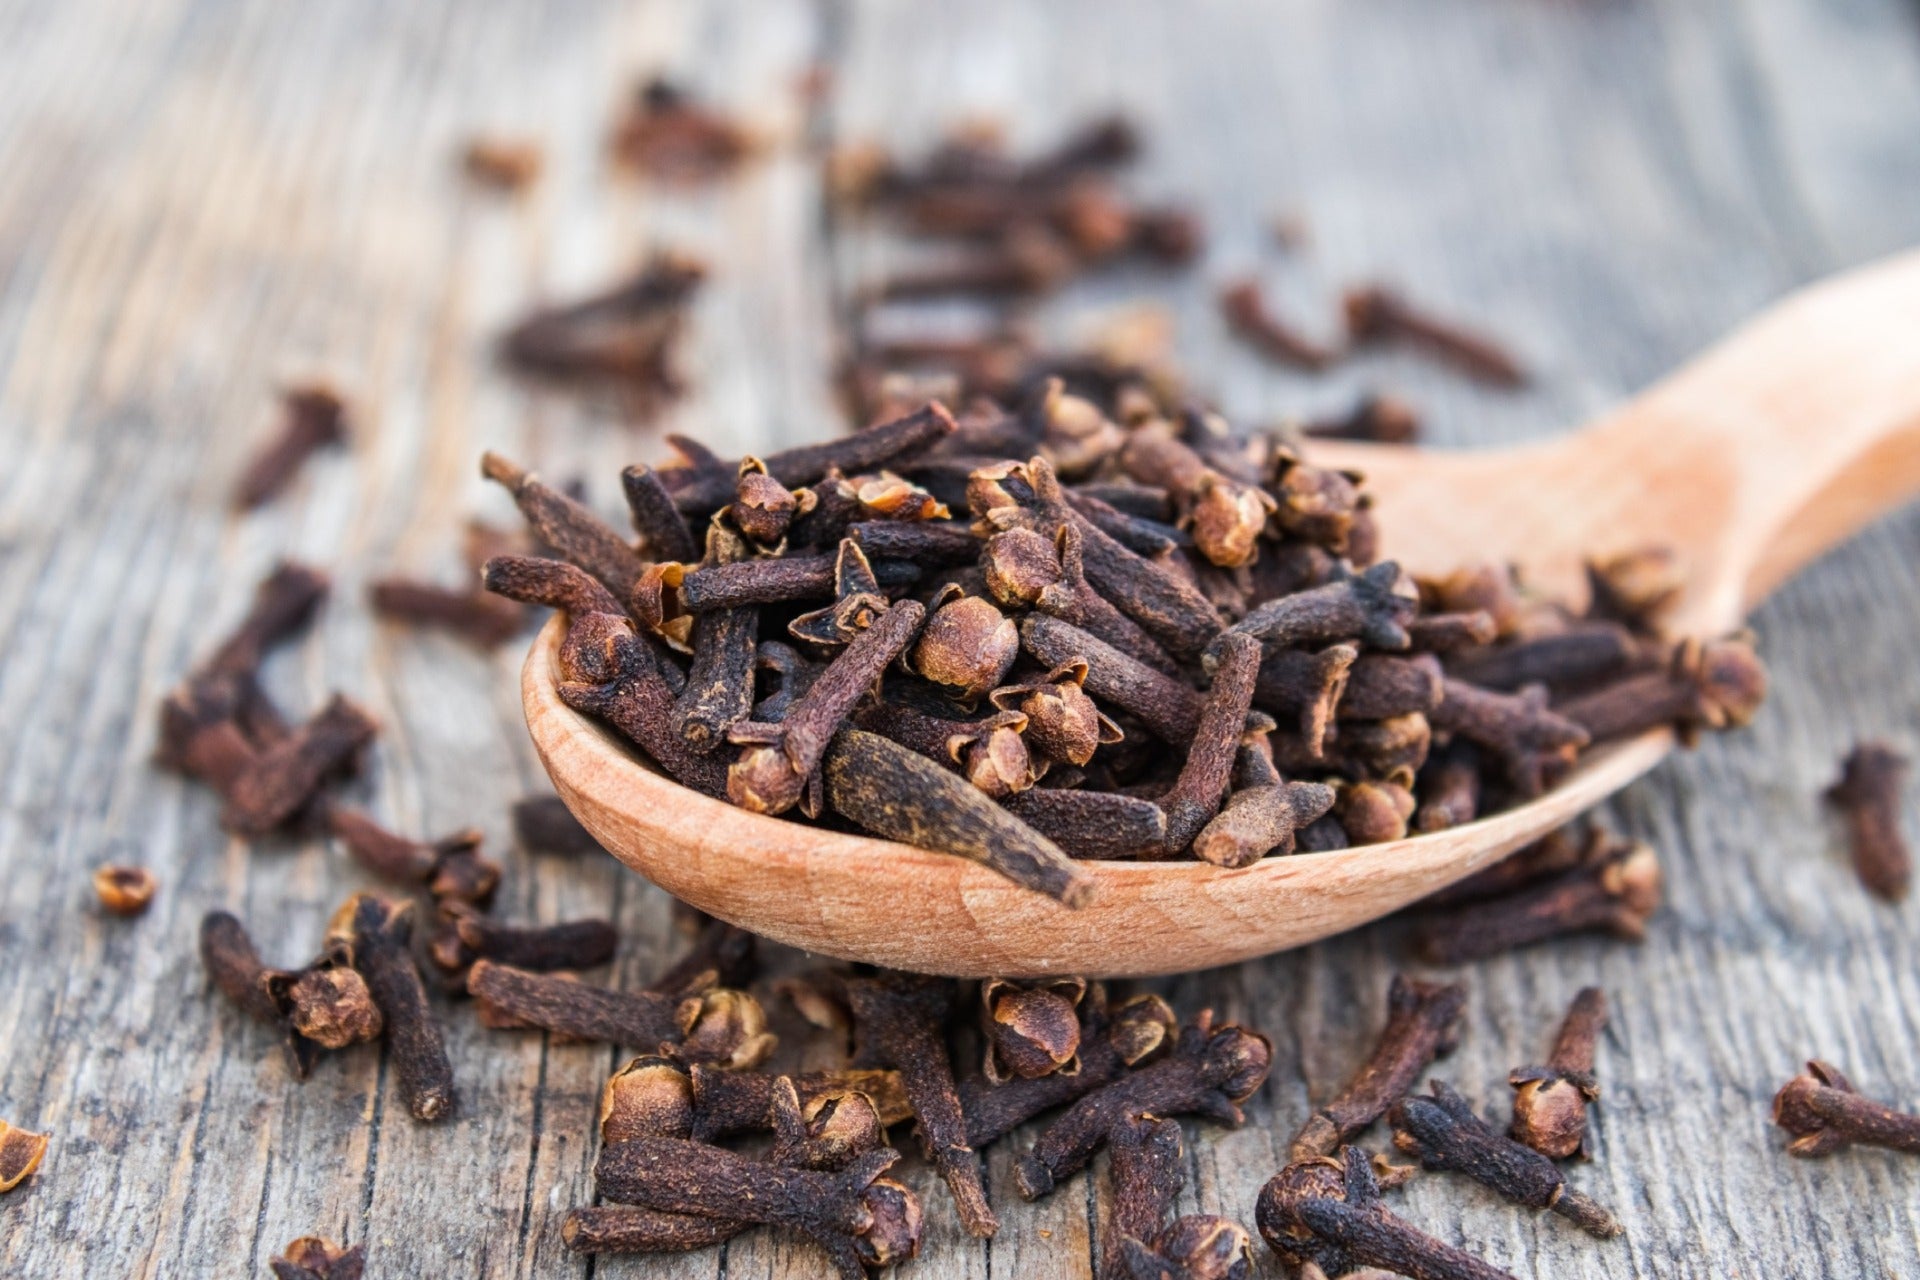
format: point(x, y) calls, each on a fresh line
point(650, 1097)
point(967, 644)
point(329, 1006)
point(1205, 1247)
point(725, 1027)
point(1143, 1028)
point(891, 1233)
point(1020, 564)
point(1032, 1031)
point(843, 1126)
point(1239, 1059)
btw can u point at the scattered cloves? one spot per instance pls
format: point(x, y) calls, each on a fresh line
point(1445, 1132)
point(1378, 314)
point(311, 418)
point(544, 824)
point(1247, 315)
point(373, 935)
point(1825, 1114)
point(1423, 1023)
point(1616, 894)
point(125, 891)
point(1868, 797)
point(721, 1025)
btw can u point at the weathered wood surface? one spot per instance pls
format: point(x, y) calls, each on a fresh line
point(203, 198)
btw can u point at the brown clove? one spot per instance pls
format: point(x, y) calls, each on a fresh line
point(1826, 1114)
point(315, 1258)
point(1378, 314)
point(1868, 797)
point(1423, 1023)
point(373, 935)
point(312, 417)
point(1616, 894)
point(125, 891)
point(21, 1151)
point(1550, 1102)
point(1033, 1028)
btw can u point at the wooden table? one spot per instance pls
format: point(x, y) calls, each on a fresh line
point(200, 199)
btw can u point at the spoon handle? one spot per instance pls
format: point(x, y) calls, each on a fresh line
point(1780, 442)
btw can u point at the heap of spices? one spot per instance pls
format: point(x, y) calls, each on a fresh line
point(1326, 1213)
point(1423, 1023)
point(623, 337)
point(312, 417)
point(1550, 1102)
point(1093, 665)
point(667, 134)
point(1615, 889)
point(21, 1151)
point(316, 1258)
point(1444, 1132)
point(1825, 1114)
point(125, 891)
point(1868, 797)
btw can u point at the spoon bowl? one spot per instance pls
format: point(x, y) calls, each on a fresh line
point(1750, 461)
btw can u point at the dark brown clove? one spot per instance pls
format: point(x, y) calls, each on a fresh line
point(1308, 685)
point(373, 935)
point(21, 1151)
point(1201, 786)
point(1112, 1041)
point(228, 955)
point(1372, 606)
point(1825, 1114)
point(553, 583)
point(1092, 824)
point(1024, 568)
point(931, 542)
point(1559, 851)
point(624, 335)
point(722, 955)
point(1373, 812)
point(885, 444)
point(781, 759)
point(721, 1025)
point(1531, 742)
point(1378, 314)
point(1583, 653)
point(1325, 1214)
point(315, 1258)
point(1716, 684)
point(1033, 1028)
point(895, 792)
point(1444, 1132)
point(1261, 820)
point(452, 861)
point(1550, 1102)
point(544, 824)
point(991, 753)
point(719, 689)
point(1167, 707)
point(1449, 789)
point(1247, 315)
point(668, 134)
point(662, 528)
point(1317, 504)
point(572, 944)
point(967, 645)
point(485, 620)
point(1147, 1157)
point(1616, 894)
point(1423, 1023)
point(1199, 1246)
point(1635, 587)
point(1376, 419)
point(727, 1102)
point(1225, 516)
point(1210, 1072)
point(1063, 723)
point(283, 779)
point(899, 1022)
point(311, 418)
point(1381, 686)
point(1451, 632)
point(1868, 797)
point(125, 891)
point(580, 537)
point(858, 1217)
point(606, 670)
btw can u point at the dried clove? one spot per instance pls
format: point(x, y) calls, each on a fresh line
point(700, 488)
point(1378, 314)
point(315, 1258)
point(1210, 1072)
point(719, 689)
point(544, 824)
point(1309, 685)
point(1717, 684)
point(580, 537)
point(278, 783)
point(722, 955)
point(897, 793)
point(607, 670)
point(1444, 1132)
point(1147, 1170)
point(662, 528)
point(667, 134)
point(899, 1021)
point(572, 944)
point(450, 866)
point(1868, 797)
point(1112, 1041)
point(20, 1154)
point(781, 759)
point(623, 336)
point(1325, 1213)
point(553, 583)
point(720, 1025)
point(1092, 824)
point(1061, 720)
point(1423, 1023)
point(1201, 787)
point(1373, 606)
point(373, 935)
point(739, 1101)
point(1381, 686)
point(1199, 1246)
point(1451, 632)
point(1635, 587)
point(1248, 316)
point(1531, 742)
point(967, 645)
point(473, 615)
point(1261, 820)
point(1579, 655)
point(858, 1217)
point(1167, 707)
point(1375, 419)
point(1617, 894)
point(1559, 851)
point(1033, 1028)
point(312, 417)
point(1550, 1102)
point(1825, 1114)
point(1449, 789)
point(125, 891)
point(1373, 812)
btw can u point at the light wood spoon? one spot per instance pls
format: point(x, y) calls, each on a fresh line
point(1770, 448)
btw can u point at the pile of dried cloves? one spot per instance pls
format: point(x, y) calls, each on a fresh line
point(1080, 630)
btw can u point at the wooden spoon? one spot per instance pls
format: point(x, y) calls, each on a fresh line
point(1772, 447)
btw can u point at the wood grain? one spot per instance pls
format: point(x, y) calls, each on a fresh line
point(204, 198)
